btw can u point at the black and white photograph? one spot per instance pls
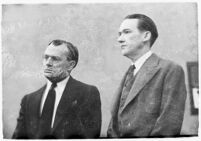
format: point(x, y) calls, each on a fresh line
point(100, 70)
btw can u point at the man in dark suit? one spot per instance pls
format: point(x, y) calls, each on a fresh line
point(64, 107)
point(151, 98)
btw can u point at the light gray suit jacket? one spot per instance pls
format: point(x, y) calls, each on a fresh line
point(155, 104)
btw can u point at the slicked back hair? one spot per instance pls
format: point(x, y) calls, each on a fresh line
point(145, 24)
point(73, 53)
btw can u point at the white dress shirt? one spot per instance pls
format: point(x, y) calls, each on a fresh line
point(59, 91)
point(140, 61)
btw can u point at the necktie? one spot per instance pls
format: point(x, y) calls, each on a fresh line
point(127, 85)
point(47, 113)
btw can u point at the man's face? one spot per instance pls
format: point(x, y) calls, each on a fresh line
point(55, 64)
point(130, 38)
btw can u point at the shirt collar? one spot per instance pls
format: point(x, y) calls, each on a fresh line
point(60, 84)
point(140, 61)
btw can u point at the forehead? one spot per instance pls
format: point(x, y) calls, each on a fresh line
point(60, 50)
point(129, 24)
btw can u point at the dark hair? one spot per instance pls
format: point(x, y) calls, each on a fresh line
point(72, 50)
point(145, 24)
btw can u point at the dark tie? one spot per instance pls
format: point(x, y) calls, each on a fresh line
point(127, 85)
point(47, 113)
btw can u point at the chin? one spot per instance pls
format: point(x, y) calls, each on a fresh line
point(124, 53)
point(47, 75)
point(52, 79)
point(127, 54)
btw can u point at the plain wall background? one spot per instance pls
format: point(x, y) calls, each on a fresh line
point(93, 28)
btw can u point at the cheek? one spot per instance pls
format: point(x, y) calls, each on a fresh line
point(134, 38)
point(61, 67)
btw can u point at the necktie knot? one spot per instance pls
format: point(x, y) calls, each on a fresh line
point(53, 85)
point(132, 68)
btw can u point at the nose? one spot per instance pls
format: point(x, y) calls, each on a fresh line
point(48, 61)
point(120, 39)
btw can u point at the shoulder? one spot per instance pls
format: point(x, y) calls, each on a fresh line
point(84, 89)
point(33, 94)
point(83, 86)
point(168, 65)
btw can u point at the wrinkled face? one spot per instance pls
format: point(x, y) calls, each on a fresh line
point(130, 38)
point(55, 64)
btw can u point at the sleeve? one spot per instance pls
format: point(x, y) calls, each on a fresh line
point(91, 115)
point(172, 107)
point(20, 130)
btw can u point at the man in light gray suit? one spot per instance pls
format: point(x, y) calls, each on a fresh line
point(151, 98)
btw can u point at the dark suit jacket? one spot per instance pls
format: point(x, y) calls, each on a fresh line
point(78, 114)
point(155, 104)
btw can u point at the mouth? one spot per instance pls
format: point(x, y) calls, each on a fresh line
point(123, 46)
point(48, 70)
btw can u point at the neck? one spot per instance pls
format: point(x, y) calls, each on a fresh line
point(136, 56)
point(57, 80)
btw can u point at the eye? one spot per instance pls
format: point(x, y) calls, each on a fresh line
point(126, 31)
point(45, 57)
point(54, 58)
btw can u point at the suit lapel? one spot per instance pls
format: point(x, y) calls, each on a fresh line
point(66, 102)
point(115, 105)
point(35, 103)
point(147, 71)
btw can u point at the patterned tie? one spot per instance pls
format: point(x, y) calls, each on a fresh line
point(47, 113)
point(127, 85)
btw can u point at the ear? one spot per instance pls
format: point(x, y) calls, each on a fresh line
point(71, 65)
point(147, 36)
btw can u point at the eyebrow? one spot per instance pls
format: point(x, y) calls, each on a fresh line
point(127, 29)
point(50, 55)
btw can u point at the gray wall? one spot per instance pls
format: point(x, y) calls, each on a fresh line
point(27, 29)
